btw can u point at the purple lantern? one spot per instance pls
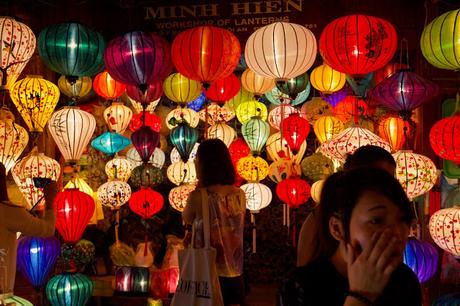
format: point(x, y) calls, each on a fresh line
point(422, 258)
point(145, 140)
point(153, 92)
point(334, 98)
point(36, 257)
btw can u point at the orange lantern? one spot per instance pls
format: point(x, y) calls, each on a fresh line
point(107, 87)
point(327, 80)
point(392, 130)
point(255, 83)
point(350, 108)
point(327, 127)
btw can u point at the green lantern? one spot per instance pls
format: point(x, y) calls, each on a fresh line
point(294, 86)
point(440, 41)
point(71, 49)
point(69, 289)
point(255, 133)
point(183, 137)
point(146, 175)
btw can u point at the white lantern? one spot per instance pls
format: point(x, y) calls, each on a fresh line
point(279, 113)
point(278, 148)
point(178, 196)
point(258, 196)
point(213, 114)
point(445, 229)
point(117, 116)
point(114, 194)
point(119, 168)
point(157, 159)
point(179, 115)
point(223, 132)
point(137, 106)
point(175, 156)
point(316, 189)
point(182, 173)
point(13, 139)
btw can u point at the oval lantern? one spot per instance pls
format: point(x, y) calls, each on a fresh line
point(146, 202)
point(182, 173)
point(153, 92)
point(444, 228)
point(110, 143)
point(255, 83)
point(69, 289)
point(178, 196)
point(394, 130)
point(145, 140)
point(445, 138)
point(76, 89)
point(279, 113)
point(146, 175)
point(252, 168)
point(223, 89)
point(246, 110)
point(180, 89)
point(281, 50)
point(157, 159)
point(278, 148)
point(114, 194)
point(119, 168)
point(421, 257)
point(221, 131)
point(327, 80)
point(316, 167)
point(107, 87)
point(295, 131)
point(13, 140)
point(293, 191)
point(275, 96)
point(184, 138)
point(255, 133)
point(327, 127)
point(117, 116)
point(294, 86)
point(151, 120)
point(258, 196)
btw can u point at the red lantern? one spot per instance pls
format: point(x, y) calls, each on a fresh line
point(107, 87)
point(223, 89)
point(358, 44)
point(295, 131)
point(163, 282)
point(392, 130)
point(73, 210)
point(205, 53)
point(146, 202)
point(445, 138)
point(238, 149)
point(293, 191)
point(151, 120)
point(387, 71)
point(350, 108)
point(154, 92)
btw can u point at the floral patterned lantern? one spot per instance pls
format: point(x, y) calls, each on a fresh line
point(110, 143)
point(294, 86)
point(295, 131)
point(138, 107)
point(421, 257)
point(276, 97)
point(178, 196)
point(117, 116)
point(315, 108)
point(238, 149)
point(282, 169)
point(182, 173)
point(153, 92)
point(255, 133)
point(280, 113)
point(147, 118)
point(278, 148)
point(146, 175)
point(416, 173)
point(119, 168)
point(246, 110)
point(255, 83)
point(107, 87)
point(350, 108)
point(157, 159)
point(114, 194)
point(213, 114)
point(223, 89)
point(252, 168)
point(76, 89)
point(327, 127)
point(184, 138)
point(316, 167)
point(242, 96)
point(221, 131)
point(146, 202)
point(181, 89)
point(145, 140)
point(180, 115)
point(394, 130)
point(175, 155)
point(13, 139)
point(327, 80)
point(293, 191)
point(258, 196)
point(444, 228)
point(69, 289)
point(445, 138)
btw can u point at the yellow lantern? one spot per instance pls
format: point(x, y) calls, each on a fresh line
point(445, 228)
point(157, 159)
point(316, 189)
point(179, 115)
point(180, 89)
point(213, 113)
point(327, 127)
point(316, 167)
point(326, 79)
point(255, 83)
point(119, 168)
point(83, 186)
point(182, 173)
point(76, 89)
point(315, 108)
point(258, 196)
point(279, 113)
point(137, 106)
point(117, 116)
point(35, 98)
point(178, 196)
point(246, 110)
point(13, 139)
point(278, 148)
point(242, 96)
point(282, 169)
point(114, 194)
point(252, 168)
point(221, 131)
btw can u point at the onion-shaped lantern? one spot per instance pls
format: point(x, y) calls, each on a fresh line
point(281, 50)
point(213, 114)
point(255, 133)
point(276, 97)
point(80, 184)
point(394, 130)
point(76, 89)
point(255, 83)
point(248, 109)
point(184, 138)
point(387, 71)
point(444, 228)
point(294, 86)
point(114, 194)
point(221, 131)
point(146, 202)
point(252, 168)
point(282, 169)
point(295, 131)
point(110, 143)
point(327, 80)
point(157, 159)
point(178, 196)
point(258, 196)
point(35, 98)
point(327, 127)
point(117, 116)
point(278, 148)
point(293, 191)
point(69, 289)
point(181, 89)
point(119, 168)
point(145, 140)
point(314, 109)
point(180, 115)
point(153, 92)
point(146, 175)
point(445, 138)
point(279, 113)
point(13, 140)
point(351, 108)
point(182, 173)
point(316, 167)
point(147, 118)
point(421, 257)
point(242, 96)
point(223, 89)
point(107, 87)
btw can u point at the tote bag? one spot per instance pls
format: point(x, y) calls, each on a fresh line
point(198, 282)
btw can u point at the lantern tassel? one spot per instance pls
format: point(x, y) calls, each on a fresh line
point(145, 244)
point(254, 234)
point(117, 224)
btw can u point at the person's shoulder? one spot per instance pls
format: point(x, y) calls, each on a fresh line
point(311, 272)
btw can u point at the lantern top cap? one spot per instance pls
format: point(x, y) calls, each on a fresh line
point(34, 76)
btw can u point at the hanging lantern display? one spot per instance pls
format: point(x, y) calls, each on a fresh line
point(276, 97)
point(387, 71)
point(255, 83)
point(110, 143)
point(114, 194)
point(146, 175)
point(35, 99)
point(252, 168)
point(279, 113)
point(197, 103)
point(248, 109)
point(371, 46)
point(157, 159)
point(146, 202)
point(349, 140)
point(76, 89)
point(238, 149)
point(258, 196)
point(117, 116)
point(181, 89)
point(351, 108)
point(145, 118)
point(182, 173)
point(440, 41)
point(278, 148)
point(242, 96)
point(316, 189)
point(153, 92)
point(327, 80)
point(282, 169)
point(71, 129)
point(73, 210)
point(16, 301)
point(315, 108)
point(392, 130)
point(138, 107)
point(145, 140)
point(119, 168)
point(255, 133)
point(180, 115)
point(221, 131)
point(13, 140)
point(444, 228)
point(205, 53)
point(316, 167)
point(327, 127)
point(178, 196)
point(69, 289)
point(213, 114)
point(295, 131)
point(80, 184)
point(223, 89)
point(175, 155)
point(334, 98)
point(416, 173)
point(293, 191)
point(107, 87)
point(71, 49)
point(294, 86)
point(18, 47)
point(421, 257)
point(184, 138)
point(275, 50)
point(445, 138)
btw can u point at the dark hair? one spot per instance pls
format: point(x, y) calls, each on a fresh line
point(342, 191)
point(214, 163)
point(368, 156)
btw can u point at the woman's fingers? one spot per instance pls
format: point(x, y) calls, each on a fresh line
point(388, 254)
point(380, 246)
point(367, 250)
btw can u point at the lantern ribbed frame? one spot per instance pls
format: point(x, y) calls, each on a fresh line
point(180, 89)
point(214, 113)
point(182, 173)
point(316, 167)
point(327, 127)
point(13, 140)
point(242, 96)
point(252, 168)
point(223, 89)
point(114, 194)
point(281, 169)
point(157, 159)
point(107, 87)
point(110, 143)
point(119, 168)
point(327, 80)
point(248, 109)
point(276, 97)
point(421, 257)
point(76, 89)
point(392, 130)
point(221, 131)
point(258, 196)
point(278, 148)
point(255, 132)
point(178, 196)
point(182, 114)
point(117, 116)
point(69, 289)
point(255, 83)
point(153, 92)
point(445, 138)
point(184, 138)
point(281, 50)
point(295, 131)
point(279, 113)
point(146, 202)
point(444, 227)
point(293, 191)
point(314, 109)
point(294, 86)
point(145, 140)
point(146, 175)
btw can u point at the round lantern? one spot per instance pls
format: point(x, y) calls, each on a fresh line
point(107, 87)
point(73, 210)
point(213, 114)
point(178, 196)
point(255, 133)
point(258, 196)
point(281, 50)
point(316, 167)
point(175, 155)
point(252, 168)
point(147, 118)
point(117, 116)
point(282, 169)
point(315, 108)
point(110, 143)
point(146, 202)
point(18, 47)
point(182, 173)
point(221, 131)
point(279, 113)
point(392, 130)
point(445, 138)
point(440, 41)
point(238, 149)
point(294, 86)
point(137, 58)
point(153, 92)
point(387, 71)
point(114, 194)
point(444, 228)
point(80, 184)
point(223, 89)
point(180, 115)
point(146, 175)
point(327, 80)
point(255, 83)
point(35, 98)
point(184, 138)
point(69, 289)
point(350, 108)
point(119, 168)
point(13, 140)
point(157, 159)
point(181, 89)
point(205, 53)
point(416, 173)
point(371, 46)
point(242, 96)
point(421, 257)
point(145, 140)
point(295, 131)
point(275, 96)
point(293, 191)
point(76, 89)
point(71, 129)
point(197, 103)
point(138, 107)
point(316, 189)
point(327, 127)
point(278, 148)
point(248, 109)
point(71, 49)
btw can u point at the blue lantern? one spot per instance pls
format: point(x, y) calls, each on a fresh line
point(36, 256)
point(198, 102)
point(110, 143)
point(422, 258)
point(69, 289)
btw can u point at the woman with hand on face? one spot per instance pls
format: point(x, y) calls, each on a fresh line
point(365, 220)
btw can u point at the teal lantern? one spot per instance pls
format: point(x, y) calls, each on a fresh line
point(294, 86)
point(71, 49)
point(110, 143)
point(255, 133)
point(69, 289)
point(183, 137)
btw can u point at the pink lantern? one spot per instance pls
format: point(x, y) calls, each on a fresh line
point(154, 92)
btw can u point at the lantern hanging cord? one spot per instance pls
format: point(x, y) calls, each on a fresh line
point(404, 42)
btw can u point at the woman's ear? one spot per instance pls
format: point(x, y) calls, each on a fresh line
point(336, 228)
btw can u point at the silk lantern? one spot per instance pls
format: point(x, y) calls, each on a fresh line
point(107, 87)
point(117, 116)
point(238, 149)
point(334, 98)
point(248, 109)
point(221, 131)
point(242, 96)
point(138, 107)
point(295, 131)
point(71, 49)
point(36, 257)
point(213, 114)
point(175, 155)
point(252, 168)
point(223, 89)
point(255, 133)
point(80, 184)
point(146, 202)
point(316, 189)
point(110, 143)
point(351, 108)
point(181, 89)
point(371, 46)
point(444, 228)
point(394, 130)
point(275, 96)
point(293, 191)
point(73, 210)
point(327, 80)
point(35, 99)
point(281, 169)
point(278, 148)
point(153, 92)
point(316, 167)
point(205, 53)
point(182, 173)
point(71, 129)
point(178, 196)
point(281, 50)
point(147, 118)
point(197, 103)
point(69, 289)
point(181, 115)
point(183, 137)
point(327, 127)
point(279, 113)
point(114, 194)
point(445, 138)
point(10, 299)
point(119, 168)
point(421, 257)
point(255, 83)
point(157, 159)
point(145, 140)
point(258, 196)
point(294, 86)
point(314, 109)
point(18, 47)
point(387, 71)
point(146, 175)
point(13, 140)
point(76, 89)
